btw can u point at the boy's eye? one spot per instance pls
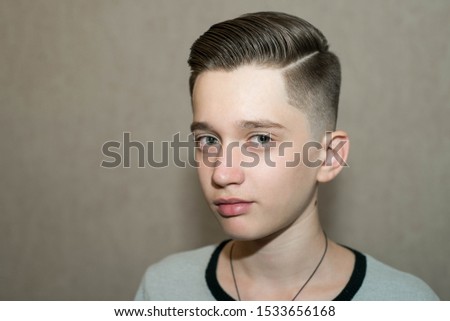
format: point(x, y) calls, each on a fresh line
point(206, 141)
point(261, 139)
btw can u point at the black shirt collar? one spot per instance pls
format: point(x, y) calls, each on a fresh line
point(347, 294)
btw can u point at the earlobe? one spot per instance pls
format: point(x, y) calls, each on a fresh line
point(336, 148)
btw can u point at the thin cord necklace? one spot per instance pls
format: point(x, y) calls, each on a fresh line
point(303, 286)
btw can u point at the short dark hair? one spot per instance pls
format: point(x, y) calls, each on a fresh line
point(276, 40)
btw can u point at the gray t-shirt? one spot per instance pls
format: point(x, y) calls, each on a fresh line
point(190, 276)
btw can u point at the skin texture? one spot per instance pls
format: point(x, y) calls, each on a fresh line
point(274, 222)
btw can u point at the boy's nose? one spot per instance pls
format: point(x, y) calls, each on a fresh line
point(228, 168)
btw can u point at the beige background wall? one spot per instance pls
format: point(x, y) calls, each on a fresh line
point(75, 74)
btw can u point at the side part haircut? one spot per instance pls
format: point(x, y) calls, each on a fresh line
point(276, 40)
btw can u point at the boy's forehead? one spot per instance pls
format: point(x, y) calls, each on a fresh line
point(247, 97)
point(246, 83)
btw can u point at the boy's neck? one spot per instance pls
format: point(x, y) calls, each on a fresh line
point(293, 252)
point(277, 267)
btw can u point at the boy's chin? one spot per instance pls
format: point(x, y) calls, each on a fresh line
point(245, 234)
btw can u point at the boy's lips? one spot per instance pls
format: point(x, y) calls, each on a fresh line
point(229, 207)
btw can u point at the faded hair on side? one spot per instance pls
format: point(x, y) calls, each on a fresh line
point(276, 40)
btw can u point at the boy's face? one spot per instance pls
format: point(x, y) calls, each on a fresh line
point(252, 188)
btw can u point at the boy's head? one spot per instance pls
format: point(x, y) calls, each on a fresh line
point(258, 165)
point(276, 40)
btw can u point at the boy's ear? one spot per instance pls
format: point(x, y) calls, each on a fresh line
point(335, 154)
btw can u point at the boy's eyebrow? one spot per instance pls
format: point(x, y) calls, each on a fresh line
point(262, 123)
point(246, 124)
point(199, 126)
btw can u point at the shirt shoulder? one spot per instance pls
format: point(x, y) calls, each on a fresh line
point(385, 283)
point(178, 277)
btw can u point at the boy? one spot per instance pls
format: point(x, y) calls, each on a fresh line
point(265, 93)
